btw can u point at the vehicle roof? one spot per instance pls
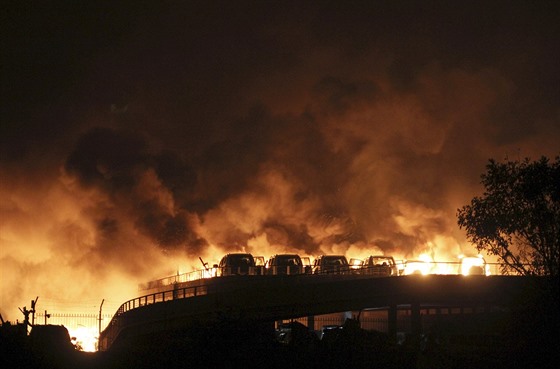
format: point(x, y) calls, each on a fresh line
point(238, 255)
point(285, 255)
point(380, 256)
point(331, 258)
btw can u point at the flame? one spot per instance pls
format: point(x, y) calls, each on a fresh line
point(84, 338)
point(417, 267)
point(473, 265)
point(355, 263)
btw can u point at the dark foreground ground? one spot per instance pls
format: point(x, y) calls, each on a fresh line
point(525, 338)
point(247, 346)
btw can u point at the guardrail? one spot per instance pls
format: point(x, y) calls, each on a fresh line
point(178, 278)
point(115, 325)
point(404, 268)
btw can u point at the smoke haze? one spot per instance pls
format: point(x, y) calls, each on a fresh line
point(136, 138)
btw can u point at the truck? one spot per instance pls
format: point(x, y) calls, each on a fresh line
point(237, 264)
point(285, 264)
point(326, 264)
point(380, 265)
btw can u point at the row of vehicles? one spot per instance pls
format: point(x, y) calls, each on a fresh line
point(289, 264)
point(379, 265)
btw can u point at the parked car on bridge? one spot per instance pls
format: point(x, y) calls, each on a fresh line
point(380, 265)
point(237, 264)
point(285, 264)
point(331, 264)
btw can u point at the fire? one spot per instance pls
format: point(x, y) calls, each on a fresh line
point(84, 338)
point(473, 265)
point(423, 264)
point(355, 263)
point(416, 267)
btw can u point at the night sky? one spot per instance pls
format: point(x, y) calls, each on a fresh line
point(137, 136)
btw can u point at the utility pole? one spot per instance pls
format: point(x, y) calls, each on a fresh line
point(100, 318)
point(33, 304)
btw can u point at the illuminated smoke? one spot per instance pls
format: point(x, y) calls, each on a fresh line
point(315, 131)
point(135, 183)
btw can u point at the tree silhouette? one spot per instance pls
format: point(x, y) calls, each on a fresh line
point(518, 217)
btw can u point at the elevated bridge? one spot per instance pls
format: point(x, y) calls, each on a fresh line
point(280, 297)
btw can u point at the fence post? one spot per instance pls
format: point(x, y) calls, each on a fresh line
point(416, 323)
point(392, 321)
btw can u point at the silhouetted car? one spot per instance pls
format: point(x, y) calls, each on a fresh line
point(237, 264)
point(331, 264)
point(296, 334)
point(330, 332)
point(50, 344)
point(283, 334)
point(380, 265)
point(285, 264)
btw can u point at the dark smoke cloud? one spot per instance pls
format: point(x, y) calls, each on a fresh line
point(116, 161)
point(181, 129)
point(107, 158)
point(294, 235)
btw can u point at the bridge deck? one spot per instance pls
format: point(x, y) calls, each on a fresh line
point(270, 298)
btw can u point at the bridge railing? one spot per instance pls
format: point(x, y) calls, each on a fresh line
point(116, 324)
point(178, 278)
point(403, 267)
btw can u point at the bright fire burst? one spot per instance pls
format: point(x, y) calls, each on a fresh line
point(421, 266)
point(473, 265)
point(84, 338)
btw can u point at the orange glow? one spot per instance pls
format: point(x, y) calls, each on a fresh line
point(355, 263)
point(318, 152)
point(75, 243)
point(417, 267)
point(471, 265)
point(85, 338)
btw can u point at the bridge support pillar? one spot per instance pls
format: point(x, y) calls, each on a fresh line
point(311, 322)
point(392, 321)
point(415, 320)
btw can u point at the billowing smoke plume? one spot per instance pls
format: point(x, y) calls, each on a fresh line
point(136, 140)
